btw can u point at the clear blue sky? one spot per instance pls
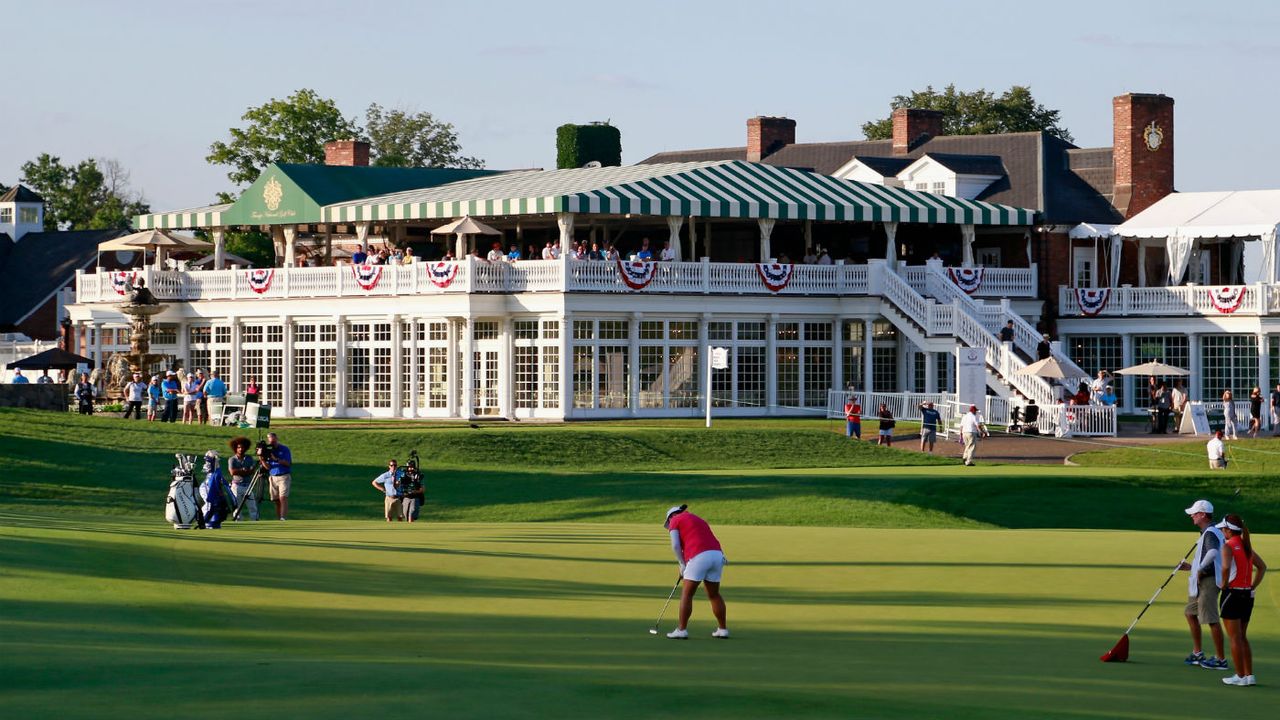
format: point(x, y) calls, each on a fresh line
point(153, 83)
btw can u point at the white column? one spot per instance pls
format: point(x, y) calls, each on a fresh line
point(416, 372)
point(808, 236)
point(930, 373)
point(868, 376)
point(693, 238)
point(1126, 382)
point(467, 400)
point(459, 246)
point(286, 375)
point(1264, 376)
point(564, 221)
point(340, 382)
point(891, 244)
point(967, 234)
point(219, 248)
point(674, 223)
point(766, 230)
point(97, 345)
point(1142, 263)
point(451, 367)
point(1197, 370)
point(704, 356)
point(290, 236)
point(184, 347)
point(235, 374)
point(566, 364)
point(633, 363)
point(506, 370)
point(397, 366)
point(706, 239)
point(362, 233)
point(837, 355)
point(1027, 236)
point(771, 362)
point(277, 246)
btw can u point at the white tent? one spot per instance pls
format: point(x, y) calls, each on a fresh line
point(1101, 231)
point(1182, 219)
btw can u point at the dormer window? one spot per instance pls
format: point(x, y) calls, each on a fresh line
point(6, 215)
point(29, 215)
point(963, 176)
point(939, 188)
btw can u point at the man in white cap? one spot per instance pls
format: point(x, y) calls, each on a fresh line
point(701, 561)
point(1202, 586)
point(971, 428)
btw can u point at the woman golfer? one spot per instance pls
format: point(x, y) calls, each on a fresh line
point(1240, 582)
point(701, 561)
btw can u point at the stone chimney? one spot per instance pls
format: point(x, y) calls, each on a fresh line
point(912, 127)
point(767, 135)
point(346, 152)
point(1142, 150)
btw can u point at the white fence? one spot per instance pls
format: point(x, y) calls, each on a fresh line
point(1053, 420)
point(14, 350)
point(1257, 299)
point(473, 275)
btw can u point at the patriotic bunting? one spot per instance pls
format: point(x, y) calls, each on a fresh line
point(774, 275)
point(122, 280)
point(260, 280)
point(1228, 299)
point(637, 275)
point(967, 279)
point(367, 276)
point(442, 274)
point(1092, 302)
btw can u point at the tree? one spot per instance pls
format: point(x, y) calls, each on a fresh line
point(979, 112)
point(293, 130)
point(83, 197)
point(577, 145)
point(399, 138)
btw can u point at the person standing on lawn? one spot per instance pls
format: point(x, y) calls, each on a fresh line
point(1239, 562)
point(853, 418)
point(388, 483)
point(887, 423)
point(972, 429)
point(701, 561)
point(1205, 570)
point(930, 419)
point(279, 467)
point(134, 392)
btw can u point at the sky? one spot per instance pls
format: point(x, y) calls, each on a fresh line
point(152, 84)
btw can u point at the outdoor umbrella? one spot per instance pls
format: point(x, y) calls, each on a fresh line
point(51, 359)
point(1154, 367)
point(1047, 368)
point(463, 226)
point(160, 240)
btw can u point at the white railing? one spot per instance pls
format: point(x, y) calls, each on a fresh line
point(1054, 419)
point(904, 406)
point(996, 282)
point(1083, 420)
point(1242, 412)
point(1258, 299)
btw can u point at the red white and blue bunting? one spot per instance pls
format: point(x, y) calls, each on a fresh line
point(1092, 301)
point(122, 280)
point(774, 275)
point(1228, 299)
point(967, 279)
point(637, 275)
point(260, 280)
point(442, 274)
point(367, 276)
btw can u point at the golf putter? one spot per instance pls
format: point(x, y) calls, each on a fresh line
point(654, 630)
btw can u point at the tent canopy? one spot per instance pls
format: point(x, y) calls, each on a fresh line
point(51, 359)
point(1087, 231)
point(465, 225)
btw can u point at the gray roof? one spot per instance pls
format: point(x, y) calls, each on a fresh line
point(886, 166)
point(21, 193)
point(970, 164)
point(1037, 173)
point(46, 262)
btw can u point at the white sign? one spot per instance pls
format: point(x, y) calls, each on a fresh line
point(720, 358)
point(1195, 421)
point(971, 377)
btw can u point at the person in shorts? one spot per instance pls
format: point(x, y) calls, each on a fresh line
point(240, 467)
point(1205, 569)
point(701, 561)
point(853, 418)
point(279, 467)
point(930, 418)
point(1242, 572)
point(887, 423)
point(388, 483)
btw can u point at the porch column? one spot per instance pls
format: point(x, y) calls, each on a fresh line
point(868, 377)
point(340, 381)
point(566, 364)
point(633, 362)
point(704, 355)
point(97, 345)
point(362, 233)
point(397, 366)
point(693, 238)
point(1126, 384)
point(930, 372)
point(766, 229)
point(277, 246)
point(706, 240)
point(219, 248)
point(328, 246)
point(837, 355)
point(506, 370)
point(1264, 376)
point(184, 348)
point(564, 221)
point(286, 377)
point(808, 236)
point(468, 368)
point(290, 236)
point(674, 223)
point(235, 375)
point(967, 234)
point(1026, 235)
point(415, 371)
point(451, 368)
point(771, 362)
point(1196, 380)
point(891, 244)
point(1142, 264)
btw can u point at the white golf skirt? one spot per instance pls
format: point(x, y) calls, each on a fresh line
point(705, 566)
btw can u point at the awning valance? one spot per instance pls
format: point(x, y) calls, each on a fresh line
point(207, 216)
point(1231, 214)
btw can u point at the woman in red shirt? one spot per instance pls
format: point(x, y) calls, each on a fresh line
point(1239, 582)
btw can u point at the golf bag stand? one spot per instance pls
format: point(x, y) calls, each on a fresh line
point(182, 506)
point(255, 483)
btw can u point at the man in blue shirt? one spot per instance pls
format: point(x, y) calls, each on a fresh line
point(388, 483)
point(19, 378)
point(215, 392)
point(279, 466)
point(360, 257)
point(930, 419)
point(645, 254)
point(170, 388)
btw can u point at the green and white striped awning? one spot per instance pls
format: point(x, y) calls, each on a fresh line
point(723, 189)
point(201, 217)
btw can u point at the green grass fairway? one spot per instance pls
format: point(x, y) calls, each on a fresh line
point(124, 618)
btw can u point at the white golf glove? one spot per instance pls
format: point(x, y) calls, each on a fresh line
point(681, 569)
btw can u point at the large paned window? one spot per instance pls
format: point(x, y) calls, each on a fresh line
point(1228, 362)
point(1096, 352)
point(537, 364)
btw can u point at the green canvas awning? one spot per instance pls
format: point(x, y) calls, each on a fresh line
point(722, 189)
point(208, 216)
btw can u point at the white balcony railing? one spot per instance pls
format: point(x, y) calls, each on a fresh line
point(479, 276)
point(1183, 300)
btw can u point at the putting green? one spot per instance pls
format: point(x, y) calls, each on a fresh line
point(126, 618)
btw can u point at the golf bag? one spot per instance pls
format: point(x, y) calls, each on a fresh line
point(213, 493)
point(182, 506)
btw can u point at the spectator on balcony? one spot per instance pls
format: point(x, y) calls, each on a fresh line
point(1255, 411)
point(1082, 395)
point(556, 250)
point(644, 254)
point(784, 259)
point(513, 255)
point(360, 256)
point(495, 253)
point(1006, 332)
point(667, 254)
point(1108, 396)
point(595, 253)
point(887, 424)
point(1229, 415)
point(580, 251)
point(408, 256)
point(824, 257)
point(810, 257)
point(1044, 350)
point(1098, 385)
point(612, 254)
point(546, 252)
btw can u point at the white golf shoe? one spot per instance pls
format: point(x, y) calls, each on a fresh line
point(1236, 680)
point(678, 634)
point(720, 633)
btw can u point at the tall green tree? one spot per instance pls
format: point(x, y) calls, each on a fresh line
point(399, 138)
point(292, 130)
point(979, 112)
point(90, 195)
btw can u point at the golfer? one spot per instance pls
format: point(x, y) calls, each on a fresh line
point(971, 429)
point(1217, 451)
point(1241, 583)
point(701, 561)
point(1202, 586)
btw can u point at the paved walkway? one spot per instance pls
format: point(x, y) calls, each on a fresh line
point(1042, 449)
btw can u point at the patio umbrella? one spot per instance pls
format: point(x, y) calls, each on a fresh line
point(1046, 368)
point(160, 240)
point(463, 226)
point(51, 359)
point(1154, 367)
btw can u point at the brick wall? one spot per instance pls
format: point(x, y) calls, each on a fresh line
point(767, 135)
point(1142, 175)
point(346, 152)
point(912, 127)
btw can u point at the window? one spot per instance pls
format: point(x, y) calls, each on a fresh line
point(939, 188)
point(884, 369)
point(653, 367)
point(752, 374)
point(922, 186)
point(817, 375)
point(1096, 352)
point(6, 215)
point(1082, 267)
point(613, 375)
point(682, 377)
point(988, 257)
point(583, 362)
point(1228, 362)
point(788, 368)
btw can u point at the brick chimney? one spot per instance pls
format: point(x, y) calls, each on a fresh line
point(1142, 153)
point(767, 135)
point(346, 152)
point(912, 126)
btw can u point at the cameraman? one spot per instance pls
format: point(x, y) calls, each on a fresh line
point(241, 468)
point(278, 462)
point(388, 484)
point(412, 493)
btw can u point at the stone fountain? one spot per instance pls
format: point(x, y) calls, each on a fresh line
point(120, 367)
